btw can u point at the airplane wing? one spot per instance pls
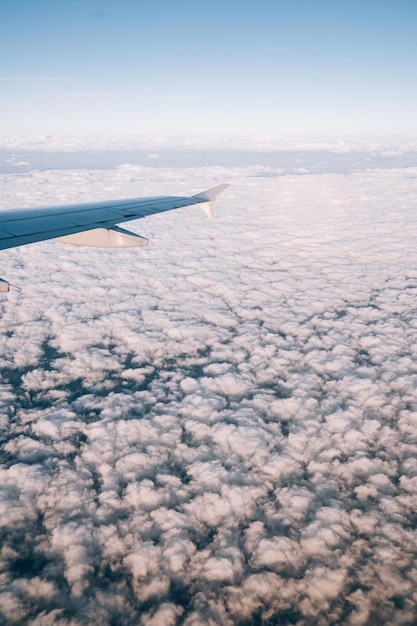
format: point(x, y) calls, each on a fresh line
point(92, 224)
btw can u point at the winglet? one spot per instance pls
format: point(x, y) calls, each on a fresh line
point(208, 199)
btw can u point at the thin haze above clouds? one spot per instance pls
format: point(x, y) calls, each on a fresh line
point(220, 428)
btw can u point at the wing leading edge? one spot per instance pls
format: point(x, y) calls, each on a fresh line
point(94, 223)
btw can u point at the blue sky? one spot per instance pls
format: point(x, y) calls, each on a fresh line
point(293, 68)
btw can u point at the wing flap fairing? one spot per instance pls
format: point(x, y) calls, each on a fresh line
point(105, 238)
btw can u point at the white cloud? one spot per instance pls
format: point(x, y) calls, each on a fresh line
point(369, 147)
point(220, 428)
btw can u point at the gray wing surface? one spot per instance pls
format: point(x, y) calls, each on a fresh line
point(95, 223)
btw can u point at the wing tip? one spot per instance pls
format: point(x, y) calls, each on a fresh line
point(208, 199)
point(211, 194)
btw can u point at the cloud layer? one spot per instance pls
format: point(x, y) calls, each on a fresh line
point(220, 428)
point(53, 143)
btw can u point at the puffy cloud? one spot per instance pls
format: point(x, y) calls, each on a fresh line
point(219, 429)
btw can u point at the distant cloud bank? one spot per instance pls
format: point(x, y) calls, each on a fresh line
point(260, 142)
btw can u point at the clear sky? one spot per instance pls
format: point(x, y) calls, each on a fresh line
point(316, 68)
